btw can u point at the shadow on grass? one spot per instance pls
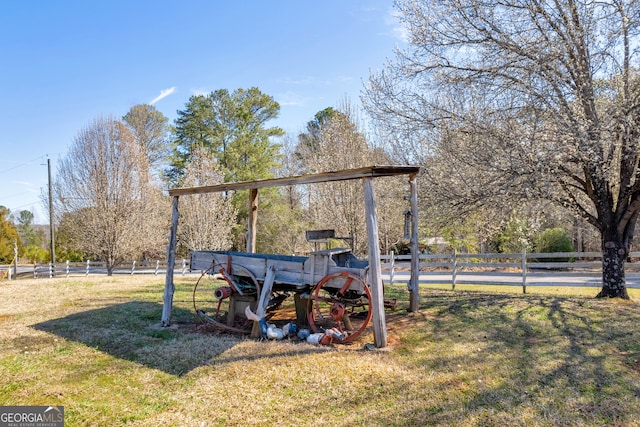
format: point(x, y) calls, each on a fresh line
point(560, 361)
point(131, 331)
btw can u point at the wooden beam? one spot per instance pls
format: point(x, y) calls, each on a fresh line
point(253, 220)
point(414, 290)
point(359, 173)
point(375, 269)
point(169, 287)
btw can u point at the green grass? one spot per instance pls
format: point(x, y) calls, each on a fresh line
point(470, 357)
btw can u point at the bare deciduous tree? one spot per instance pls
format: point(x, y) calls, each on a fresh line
point(335, 141)
point(150, 128)
point(207, 220)
point(524, 99)
point(102, 185)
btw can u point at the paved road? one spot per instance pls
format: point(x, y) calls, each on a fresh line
point(536, 278)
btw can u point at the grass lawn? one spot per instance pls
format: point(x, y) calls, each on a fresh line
point(486, 356)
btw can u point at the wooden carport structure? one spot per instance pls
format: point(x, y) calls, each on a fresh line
point(366, 174)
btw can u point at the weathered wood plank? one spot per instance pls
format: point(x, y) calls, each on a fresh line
point(296, 271)
point(252, 221)
point(375, 270)
point(169, 287)
point(265, 293)
point(358, 173)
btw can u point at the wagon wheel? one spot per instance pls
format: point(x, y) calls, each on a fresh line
point(341, 301)
point(212, 302)
point(240, 279)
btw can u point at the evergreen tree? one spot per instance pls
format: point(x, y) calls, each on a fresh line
point(8, 236)
point(232, 126)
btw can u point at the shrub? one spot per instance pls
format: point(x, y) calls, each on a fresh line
point(553, 240)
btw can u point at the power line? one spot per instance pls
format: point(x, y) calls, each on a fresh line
point(12, 195)
point(24, 206)
point(21, 164)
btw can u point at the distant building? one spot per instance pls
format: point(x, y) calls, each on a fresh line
point(434, 244)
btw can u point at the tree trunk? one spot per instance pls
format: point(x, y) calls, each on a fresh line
point(110, 267)
point(613, 278)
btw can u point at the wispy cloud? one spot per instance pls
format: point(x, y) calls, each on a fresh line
point(30, 186)
point(290, 99)
point(306, 81)
point(163, 94)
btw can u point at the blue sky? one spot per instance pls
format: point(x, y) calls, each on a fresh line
point(66, 63)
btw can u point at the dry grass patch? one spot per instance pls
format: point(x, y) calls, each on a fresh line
point(466, 359)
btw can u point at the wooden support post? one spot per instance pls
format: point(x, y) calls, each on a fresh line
point(375, 269)
point(454, 270)
point(169, 287)
point(253, 220)
point(303, 308)
point(414, 290)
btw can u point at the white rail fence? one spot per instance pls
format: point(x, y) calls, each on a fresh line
point(524, 269)
point(86, 268)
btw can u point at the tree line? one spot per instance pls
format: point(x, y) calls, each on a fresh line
point(524, 116)
point(109, 190)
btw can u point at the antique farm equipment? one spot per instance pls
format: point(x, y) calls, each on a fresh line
point(329, 287)
point(375, 295)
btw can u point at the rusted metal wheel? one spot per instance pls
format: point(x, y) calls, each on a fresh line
point(212, 301)
point(341, 301)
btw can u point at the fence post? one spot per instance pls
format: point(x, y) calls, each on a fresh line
point(87, 275)
point(155, 273)
point(391, 266)
point(15, 260)
point(454, 270)
point(524, 270)
point(133, 266)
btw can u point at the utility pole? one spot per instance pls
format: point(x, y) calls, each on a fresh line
point(52, 245)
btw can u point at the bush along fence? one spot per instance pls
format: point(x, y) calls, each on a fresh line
point(523, 269)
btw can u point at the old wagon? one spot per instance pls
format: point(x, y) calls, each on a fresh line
point(346, 290)
point(329, 289)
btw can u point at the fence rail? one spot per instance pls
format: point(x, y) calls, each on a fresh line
point(86, 268)
point(533, 269)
